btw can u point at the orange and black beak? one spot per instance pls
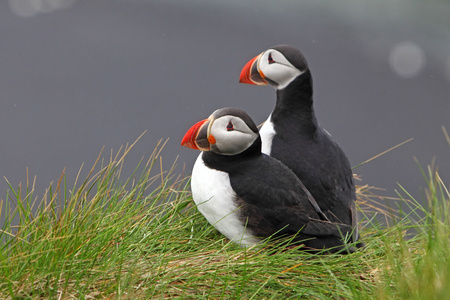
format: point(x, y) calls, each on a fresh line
point(251, 74)
point(198, 136)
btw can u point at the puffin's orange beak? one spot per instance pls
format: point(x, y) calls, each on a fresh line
point(250, 74)
point(197, 136)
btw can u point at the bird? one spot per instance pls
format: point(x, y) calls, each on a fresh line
point(293, 135)
point(249, 196)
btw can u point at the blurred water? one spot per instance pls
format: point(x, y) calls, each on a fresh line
point(79, 75)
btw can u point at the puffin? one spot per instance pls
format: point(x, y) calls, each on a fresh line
point(249, 196)
point(293, 135)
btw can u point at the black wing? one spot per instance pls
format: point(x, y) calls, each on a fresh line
point(273, 200)
point(324, 169)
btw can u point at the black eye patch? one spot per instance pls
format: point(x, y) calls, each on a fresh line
point(271, 61)
point(230, 126)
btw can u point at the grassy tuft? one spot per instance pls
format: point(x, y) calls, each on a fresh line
point(142, 238)
point(417, 260)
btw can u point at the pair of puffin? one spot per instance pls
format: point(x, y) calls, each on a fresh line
point(290, 179)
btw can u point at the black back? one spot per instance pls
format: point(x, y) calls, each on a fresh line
point(302, 145)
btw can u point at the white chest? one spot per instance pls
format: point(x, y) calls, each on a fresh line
point(214, 196)
point(267, 132)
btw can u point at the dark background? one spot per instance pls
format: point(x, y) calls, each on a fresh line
point(79, 75)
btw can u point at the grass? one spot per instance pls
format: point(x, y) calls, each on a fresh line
point(142, 238)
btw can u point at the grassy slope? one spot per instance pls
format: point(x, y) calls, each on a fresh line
point(143, 238)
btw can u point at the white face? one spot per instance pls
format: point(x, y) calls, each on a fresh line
point(277, 68)
point(231, 134)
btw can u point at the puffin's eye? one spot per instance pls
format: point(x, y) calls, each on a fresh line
point(271, 61)
point(230, 126)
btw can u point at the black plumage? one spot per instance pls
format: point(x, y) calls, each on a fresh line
point(318, 161)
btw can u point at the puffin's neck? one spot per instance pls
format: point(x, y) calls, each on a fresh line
point(295, 104)
point(230, 163)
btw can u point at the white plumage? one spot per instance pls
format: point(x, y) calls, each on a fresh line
point(214, 196)
point(267, 132)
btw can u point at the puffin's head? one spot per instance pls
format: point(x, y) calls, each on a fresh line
point(227, 131)
point(277, 66)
